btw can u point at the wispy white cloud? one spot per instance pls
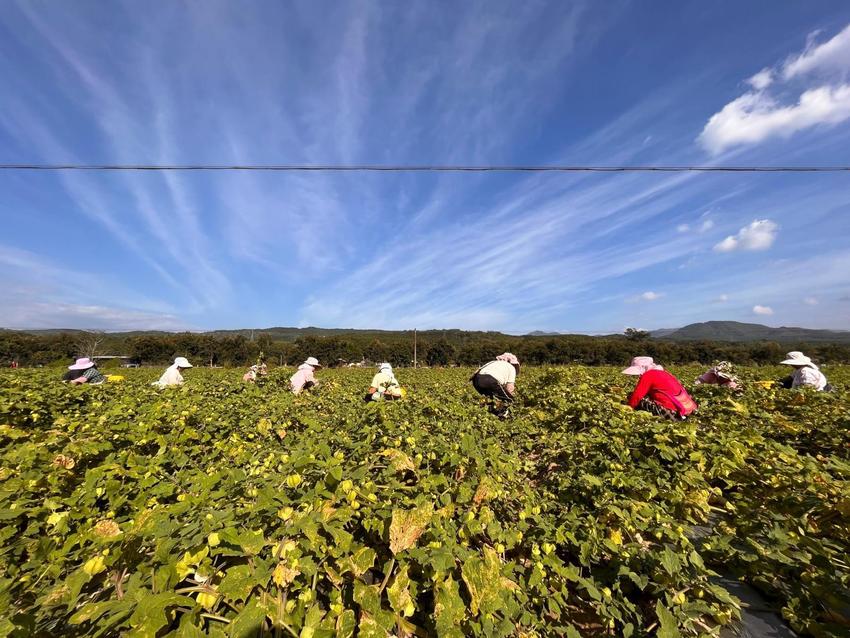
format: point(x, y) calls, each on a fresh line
point(762, 310)
point(650, 295)
point(37, 293)
point(124, 133)
point(759, 235)
point(811, 301)
point(759, 114)
point(34, 314)
point(832, 55)
point(761, 80)
point(755, 117)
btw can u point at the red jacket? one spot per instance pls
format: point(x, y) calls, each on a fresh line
point(658, 385)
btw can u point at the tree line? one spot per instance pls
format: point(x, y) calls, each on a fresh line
point(437, 348)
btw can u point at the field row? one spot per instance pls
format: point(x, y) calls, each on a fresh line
point(230, 509)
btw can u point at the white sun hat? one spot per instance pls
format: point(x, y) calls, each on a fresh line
point(796, 358)
point(182, 362)
point(313, 361)
point(385, 366)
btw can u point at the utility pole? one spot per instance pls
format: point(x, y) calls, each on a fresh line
point(414, 348)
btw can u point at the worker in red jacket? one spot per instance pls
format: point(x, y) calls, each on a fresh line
point(658, 391)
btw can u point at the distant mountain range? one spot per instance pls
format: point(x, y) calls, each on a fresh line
point(737, 331)
point(734, 331)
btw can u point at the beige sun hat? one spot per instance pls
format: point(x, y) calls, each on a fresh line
point(182, 362)
point(796, 358)
point(313, 361)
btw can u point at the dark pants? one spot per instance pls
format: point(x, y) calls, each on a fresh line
point(648, 405)
point(488, 386)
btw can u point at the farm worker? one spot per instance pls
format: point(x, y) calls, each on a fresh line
point(84, 371)
point(722, 374)
point(384, 385)
point(172, 375)
point(806, 373)
point(497, 379)
point(658, 391)
point(255, 371)
point(304, 378)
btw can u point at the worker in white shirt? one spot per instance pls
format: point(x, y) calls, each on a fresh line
point(497, 380)
point(384, 385)
point(173, 376)
point(806, 373)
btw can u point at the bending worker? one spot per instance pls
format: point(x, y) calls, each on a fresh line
point(496, 380)
point(658, 391)
point(84, 371)
point(304, 377)
point(722, 374)
point(172, 375)
point(806, 373)
point(384, 385)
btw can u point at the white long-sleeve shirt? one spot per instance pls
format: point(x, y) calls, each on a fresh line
point(809, 376)
point(171, 376)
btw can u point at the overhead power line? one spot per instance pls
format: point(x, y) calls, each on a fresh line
point(423, 168)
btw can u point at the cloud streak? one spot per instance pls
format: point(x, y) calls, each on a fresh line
point(759, 235)
point(758, 115)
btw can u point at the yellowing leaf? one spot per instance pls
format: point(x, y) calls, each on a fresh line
point(399, 594)
point(484, 581)
point(94, 565)
point(283, 574)
point(187, 564)
point(107, 528)
point(407, 526)
point(56, 517)
point(207, 599)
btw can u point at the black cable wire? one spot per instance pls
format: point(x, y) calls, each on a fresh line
point(423, 168)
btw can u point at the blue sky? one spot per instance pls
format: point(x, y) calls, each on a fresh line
point(335, 82)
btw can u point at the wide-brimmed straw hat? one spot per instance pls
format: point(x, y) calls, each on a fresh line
point(640, 365)
point(313, 361)
point(796, 358)
point(83, 363)
point(182, 362)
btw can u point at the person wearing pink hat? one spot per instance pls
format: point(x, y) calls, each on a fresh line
point(657, 391)
point(497, 381)
point(84, 370)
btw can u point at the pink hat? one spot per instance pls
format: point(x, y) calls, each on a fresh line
point(510, 358)
point(640, 365)
point(82, 364)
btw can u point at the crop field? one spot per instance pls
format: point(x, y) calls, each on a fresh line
point(227, 509)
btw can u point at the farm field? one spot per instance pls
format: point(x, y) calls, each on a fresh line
point(226, 509)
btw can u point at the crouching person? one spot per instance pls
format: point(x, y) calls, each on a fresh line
point(806, 374)
point(497, 381)
point(658, 392)
point(384, 385)
point(84, 371)
point(722, 374)
point(304, 378)
point(173, 375)
point(256, 371)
